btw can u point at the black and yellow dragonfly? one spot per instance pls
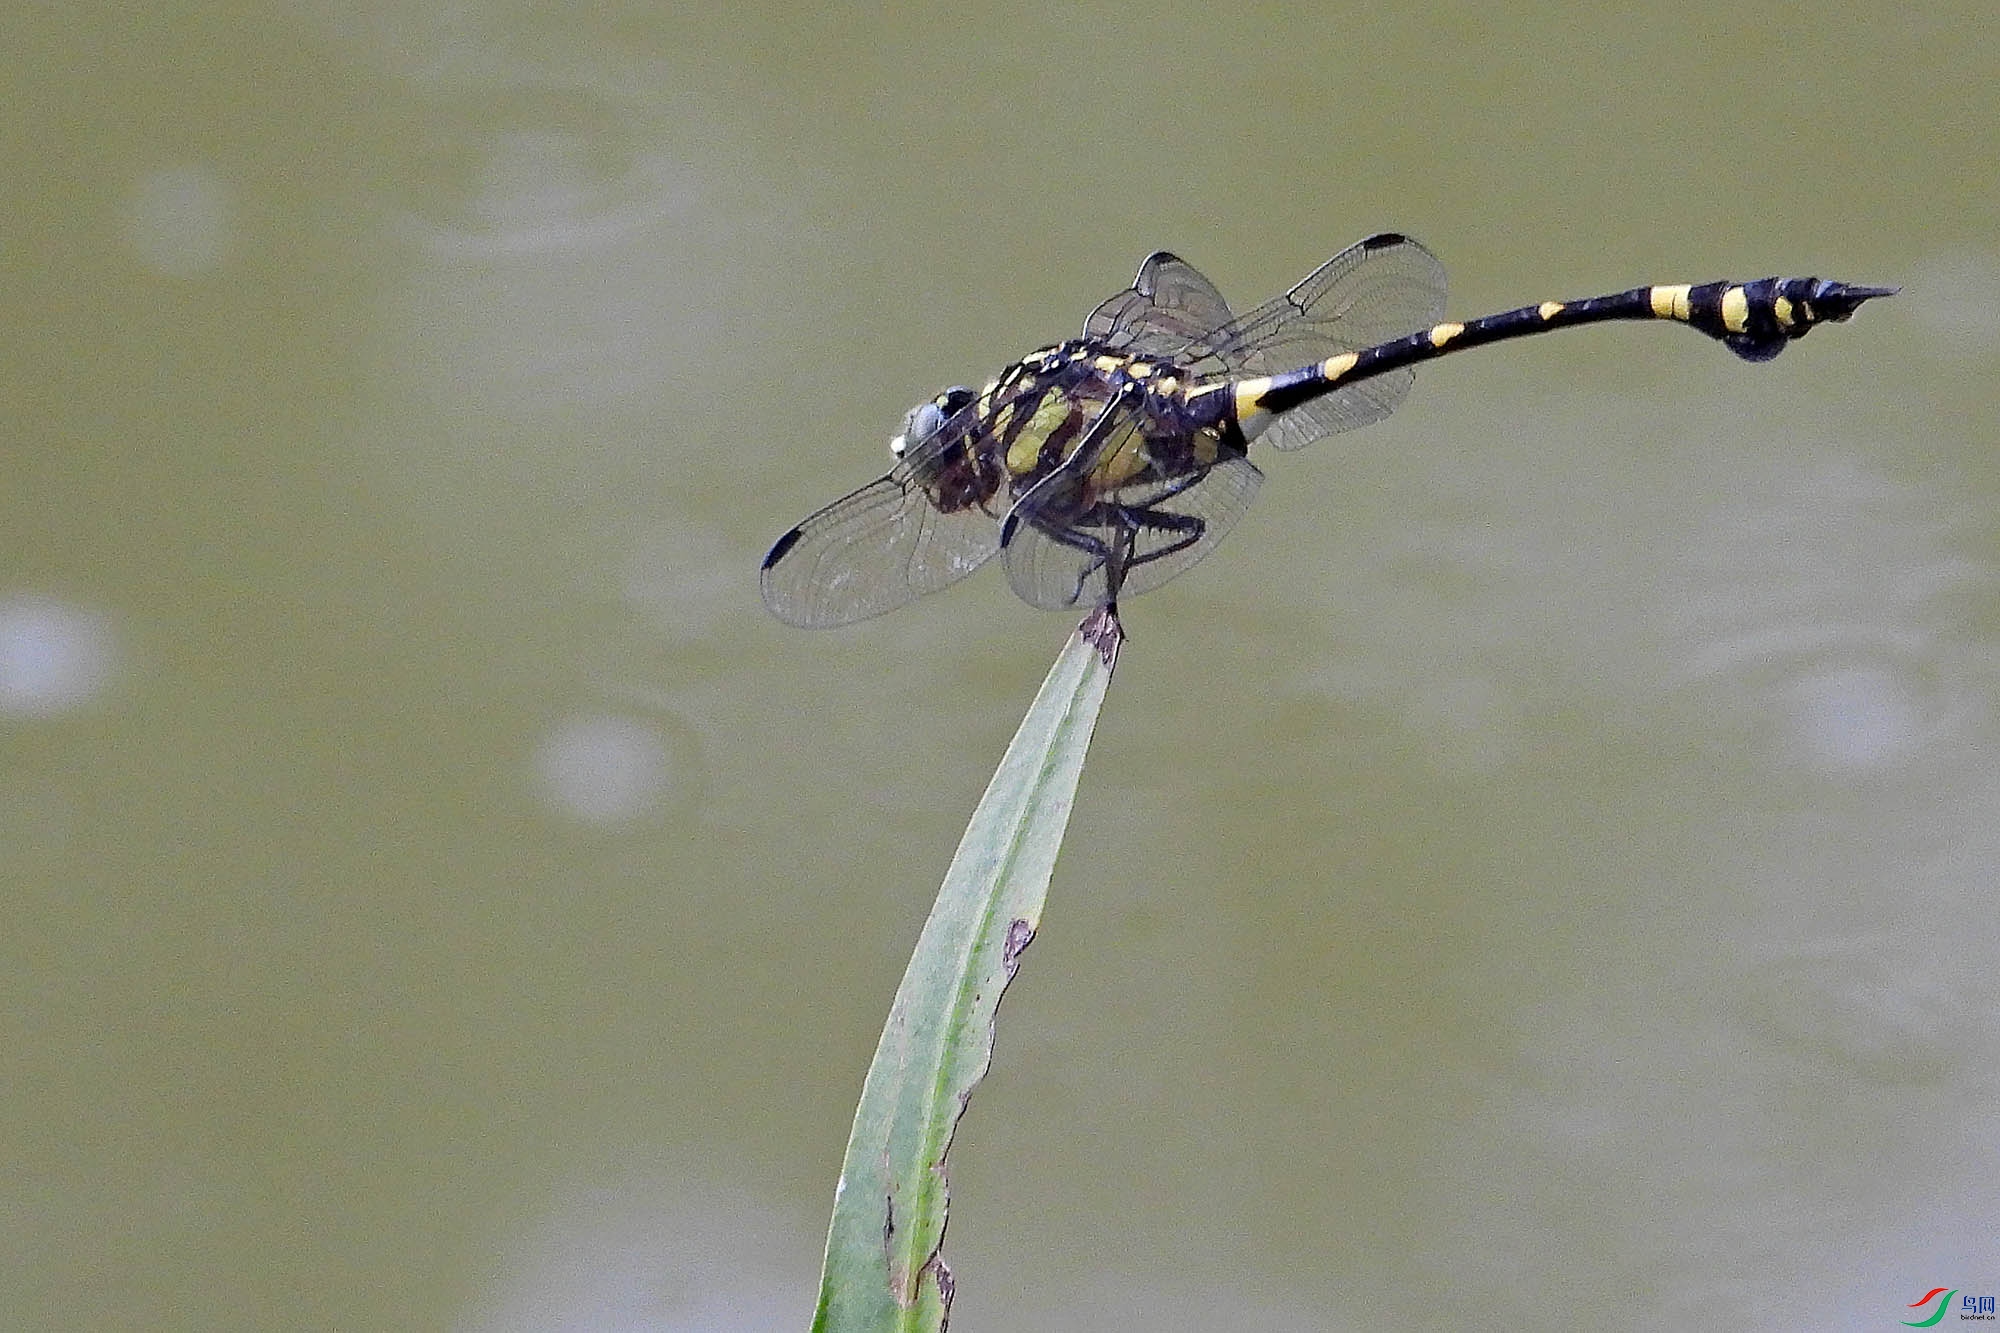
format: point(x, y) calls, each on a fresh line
point(1103, 466)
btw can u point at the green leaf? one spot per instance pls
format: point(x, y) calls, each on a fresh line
point(883, 1268)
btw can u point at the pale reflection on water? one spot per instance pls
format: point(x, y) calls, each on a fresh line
point(580, 267)
point(180, 221)
point(641, 1251)
point(54, 656)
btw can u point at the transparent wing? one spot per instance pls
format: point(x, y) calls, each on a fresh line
point(871, 552)
point(1168, 312)
point(1216, 502)
point(889, 543)
point(1373, 291)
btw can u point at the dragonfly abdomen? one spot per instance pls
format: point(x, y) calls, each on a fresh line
point(1755, 320)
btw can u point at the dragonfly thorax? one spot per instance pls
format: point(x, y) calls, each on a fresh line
point(1093, 412)
point(1107, 420)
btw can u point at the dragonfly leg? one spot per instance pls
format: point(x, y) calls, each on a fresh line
point(1143, 518)
point(1118, 556)
point(1147, 516)
point(1072, 536)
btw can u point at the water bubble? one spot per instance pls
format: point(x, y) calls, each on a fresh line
point(54, 656)
point(181, 220)
point(604, 769)
point(1856, 717)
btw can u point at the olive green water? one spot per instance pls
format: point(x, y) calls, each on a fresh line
point(1539, 872)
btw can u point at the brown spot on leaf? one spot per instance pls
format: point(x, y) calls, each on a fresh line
point(1019, 936)
point(946, 1285)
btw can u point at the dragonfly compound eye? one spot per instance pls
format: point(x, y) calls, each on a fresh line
point(926, 419)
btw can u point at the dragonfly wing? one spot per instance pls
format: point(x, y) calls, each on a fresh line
point(1216, 502)
point(871, 552)
point(1373, 291)
point(1167, 312)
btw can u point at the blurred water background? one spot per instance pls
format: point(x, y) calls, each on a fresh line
point(1541, 870)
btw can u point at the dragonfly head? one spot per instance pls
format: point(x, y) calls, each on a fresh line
point(927, 419)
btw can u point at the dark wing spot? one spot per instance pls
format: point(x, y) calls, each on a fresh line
point(782, 545)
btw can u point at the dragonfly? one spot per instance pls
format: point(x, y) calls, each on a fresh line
point(1100, 467)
